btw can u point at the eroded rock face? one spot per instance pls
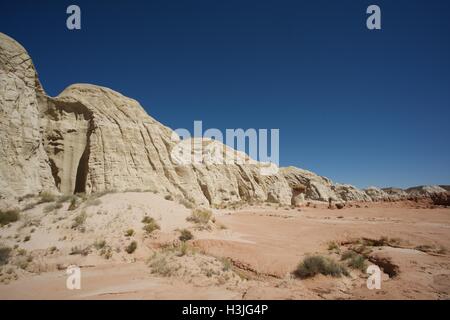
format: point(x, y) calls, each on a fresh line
point(90, 139)
point(24, 165)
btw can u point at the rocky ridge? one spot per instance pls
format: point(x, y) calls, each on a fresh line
point(90, 139)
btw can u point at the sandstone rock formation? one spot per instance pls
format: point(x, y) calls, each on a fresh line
point(90, 139)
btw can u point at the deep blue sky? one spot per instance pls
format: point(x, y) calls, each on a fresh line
point(359, 106)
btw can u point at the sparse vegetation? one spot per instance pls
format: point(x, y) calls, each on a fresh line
point(150, 225)
point(200, 216)
point(5, 253)
point(73, 204)
point(46, 196)
point(8, 216)
point(66, 198)
point(52, 207)
point(357, 262)
point(79, 220)
point(131, 247)
point(186, 203)
point(99, 244)
point(333, 246)
point(159, 265)
point(168, 197)
point(314, 265)
point(92, 202)
point(129, 233)
point(81, 251)
point(27, 238)
point(185, 235)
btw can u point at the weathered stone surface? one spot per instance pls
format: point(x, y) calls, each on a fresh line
point(90, 139)
point(376, 194)
point(24, 166)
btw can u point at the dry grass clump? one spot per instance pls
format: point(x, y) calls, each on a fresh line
point(5, 253)
point(8, 216)
point(46, 196)
point(52, 207)
point(200, 216)
point(314, 265)
point(79, 221)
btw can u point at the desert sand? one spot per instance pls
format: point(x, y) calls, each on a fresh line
point(249, 252)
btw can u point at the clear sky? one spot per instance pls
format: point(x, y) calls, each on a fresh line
point(361, 107)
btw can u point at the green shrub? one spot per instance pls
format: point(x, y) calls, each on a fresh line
point(186, 235)
point(5, 253)
point(131, 247)
point(314, 265)
point(200, 215)
point(8, 216)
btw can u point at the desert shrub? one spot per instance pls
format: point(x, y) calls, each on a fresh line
point(99, 244)
point(333, 246)
point(200, 215)
point(73, 204)
point(129, 233)
point(46, 196)
point(349, 254)
point(131, 247)
point(150, 224)
point(186, 235)
point(52, 206)
point(27, 238)
point(106, 252)
point(226, 264)
point(8, 216)
point(357, 262)
point(79, 220)
point(168, 197)
point(314, 265)
point(159, 265)
point(147, 219)
point(150, 227)
point(183, 249)
point(5, 253)
point(81, 251)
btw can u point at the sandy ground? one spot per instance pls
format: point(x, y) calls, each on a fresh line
point(249, 253)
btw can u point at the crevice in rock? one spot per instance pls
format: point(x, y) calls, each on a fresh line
point(55, 172)
point(82, 171)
